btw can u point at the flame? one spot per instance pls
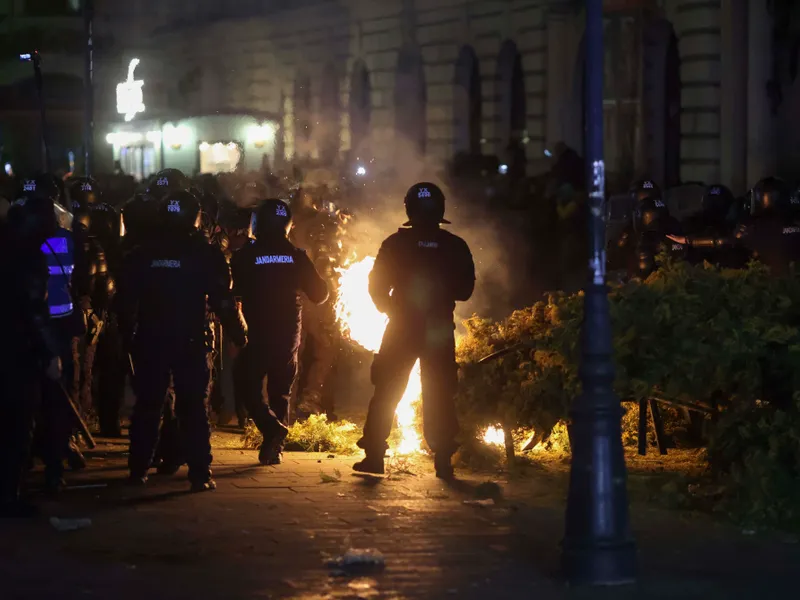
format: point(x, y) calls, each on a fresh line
point(494, 436)
point(364, 324)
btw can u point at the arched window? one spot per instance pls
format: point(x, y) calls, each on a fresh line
point(302, 112)
point(360, 107)
point(467, 103)
point(330, 109)
point(410, 99)
point(513, 106)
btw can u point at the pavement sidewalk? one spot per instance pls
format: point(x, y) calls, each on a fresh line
point(269, 532)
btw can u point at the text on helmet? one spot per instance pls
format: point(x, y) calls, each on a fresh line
point(281, 211)
point(422, 244)
point(165, 264)
point(423, 193)
point(174, 206)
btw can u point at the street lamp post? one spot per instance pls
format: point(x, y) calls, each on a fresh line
point(36, 59)
point(88, 87)
point(598, 547)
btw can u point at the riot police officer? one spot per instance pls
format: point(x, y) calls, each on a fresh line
point(318, 232)
point(165, 286)
point(29, 346)
point(269, 274)
point(717, 218)
point(419, 274)
point(97, 236)
point(644, 237)
point(769, 233)
point(69, 281)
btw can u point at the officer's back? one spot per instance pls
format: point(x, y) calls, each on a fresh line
point(171, 276)
point(421, 271)
point(270, 274)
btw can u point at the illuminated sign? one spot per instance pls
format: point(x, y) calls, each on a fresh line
point(130, 100)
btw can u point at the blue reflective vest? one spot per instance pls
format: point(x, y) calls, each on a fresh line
point(60, 253)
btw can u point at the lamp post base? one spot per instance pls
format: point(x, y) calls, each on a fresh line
point(598, 547)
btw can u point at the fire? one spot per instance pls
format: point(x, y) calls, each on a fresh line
point(494, 436)
point(364, 324)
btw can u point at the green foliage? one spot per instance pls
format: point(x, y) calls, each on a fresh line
point(756, 451)
point(315, 434)
point(691, 334)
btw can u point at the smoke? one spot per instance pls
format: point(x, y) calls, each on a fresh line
point(379, 212)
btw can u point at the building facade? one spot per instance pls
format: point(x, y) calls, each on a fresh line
point(696, 90)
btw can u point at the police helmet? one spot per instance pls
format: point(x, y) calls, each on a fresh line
point(140, 215)
point(425, 205)
point(644, 189)
point(43, 186)
point(82, 192)
point(33, 219)
point(273, 217)
point(180, 211)
point(250, 194)
point(771, 194)
point(794, 201)
point(167, 181)
point(717, 201)
point(651, 214)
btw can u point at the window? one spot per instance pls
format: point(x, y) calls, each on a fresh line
point(138, 161)
point(219, 157)
point(622, 97)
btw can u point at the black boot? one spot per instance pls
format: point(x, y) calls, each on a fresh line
point(204, 486)
point(272, 449)
point(372, 464)
point(444, 466)
point(75, 458)
point(137, 480)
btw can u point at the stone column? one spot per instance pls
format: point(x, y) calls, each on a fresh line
point(734, 94)
point(761, 143)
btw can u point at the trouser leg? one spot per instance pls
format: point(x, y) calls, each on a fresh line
point(249, 371)
point(19, 399)
point(55, 422)
point(191, 376)
point(150, 386)
point(391, 368)
point(112, 370)
point(170, 445)
point(439, 374)
point(281, 374)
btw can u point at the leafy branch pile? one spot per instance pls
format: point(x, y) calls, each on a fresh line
point(728, 339)
point(315, 434)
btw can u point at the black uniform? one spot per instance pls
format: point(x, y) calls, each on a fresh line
point(770, 234)
point(645, 237)
point(269, 275)
point(419, 274)
point(164, 287)
point(28, 344)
